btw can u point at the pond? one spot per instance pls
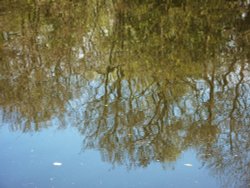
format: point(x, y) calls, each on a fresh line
point(100, 93)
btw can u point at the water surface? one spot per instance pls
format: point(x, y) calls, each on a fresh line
point(124, 94)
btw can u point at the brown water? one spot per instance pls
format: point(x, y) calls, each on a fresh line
point(124, 94)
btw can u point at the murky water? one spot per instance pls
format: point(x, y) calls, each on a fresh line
point(124, 94)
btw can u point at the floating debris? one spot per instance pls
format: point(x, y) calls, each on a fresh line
point(243, 15)
point(57, 164)
point(206, 154)
point(188, 164)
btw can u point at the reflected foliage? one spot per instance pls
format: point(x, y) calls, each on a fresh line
point(141, 80)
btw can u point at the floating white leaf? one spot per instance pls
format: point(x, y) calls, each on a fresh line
point(188, 164)
point(57, 164)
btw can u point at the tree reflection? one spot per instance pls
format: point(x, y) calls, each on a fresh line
point(142, 81)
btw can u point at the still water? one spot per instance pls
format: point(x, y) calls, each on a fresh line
point(124, 93)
